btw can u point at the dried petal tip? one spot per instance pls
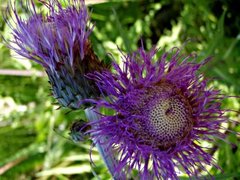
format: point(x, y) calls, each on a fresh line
point(163, 111)
point(59, 42)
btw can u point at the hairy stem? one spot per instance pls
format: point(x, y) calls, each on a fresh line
point(106, 154)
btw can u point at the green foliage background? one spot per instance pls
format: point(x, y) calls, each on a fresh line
point(30, 148)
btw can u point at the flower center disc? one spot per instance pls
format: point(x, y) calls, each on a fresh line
point(169, 116)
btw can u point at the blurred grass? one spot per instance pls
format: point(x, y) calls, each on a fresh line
point(31, 149)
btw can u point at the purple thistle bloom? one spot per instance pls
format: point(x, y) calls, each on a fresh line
point(163, 110)
point(59, 42)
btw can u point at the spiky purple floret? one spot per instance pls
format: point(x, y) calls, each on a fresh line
point(59, 42)
point(47, 38)
point(139, 74)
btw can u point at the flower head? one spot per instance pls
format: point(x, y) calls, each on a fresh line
point(163, 109)
point(59, 42)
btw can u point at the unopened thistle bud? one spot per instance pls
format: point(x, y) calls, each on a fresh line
point(59, 42)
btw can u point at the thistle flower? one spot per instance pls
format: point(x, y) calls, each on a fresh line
point(59, 42)
point(163, 111)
